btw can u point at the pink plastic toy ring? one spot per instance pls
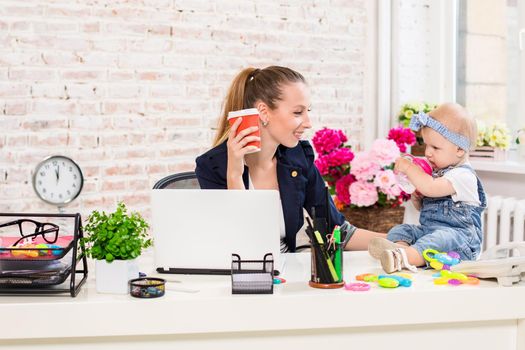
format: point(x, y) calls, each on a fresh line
point(357, 287)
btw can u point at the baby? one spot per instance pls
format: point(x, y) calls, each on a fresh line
point(451, 200)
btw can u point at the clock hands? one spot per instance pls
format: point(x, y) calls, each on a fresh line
point(57, 180)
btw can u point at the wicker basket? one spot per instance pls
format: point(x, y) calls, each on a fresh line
point(375, 219)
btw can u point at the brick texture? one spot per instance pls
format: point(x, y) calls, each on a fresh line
point(131, 89)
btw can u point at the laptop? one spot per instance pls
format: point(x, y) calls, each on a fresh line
point(196, 231)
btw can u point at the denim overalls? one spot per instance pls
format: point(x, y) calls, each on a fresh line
point(445, 225)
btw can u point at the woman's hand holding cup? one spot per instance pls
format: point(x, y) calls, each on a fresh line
point(244, 138)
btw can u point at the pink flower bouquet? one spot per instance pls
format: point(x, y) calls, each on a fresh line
point(363, 179)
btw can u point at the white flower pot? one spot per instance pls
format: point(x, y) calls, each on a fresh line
point(113, 277)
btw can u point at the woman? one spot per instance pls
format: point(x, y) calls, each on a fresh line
point(284, 162)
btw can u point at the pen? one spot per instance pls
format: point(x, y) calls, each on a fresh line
point(327, 206)
point(337, 254)
point(325, 257)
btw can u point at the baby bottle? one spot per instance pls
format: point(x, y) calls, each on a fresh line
point(402, 179)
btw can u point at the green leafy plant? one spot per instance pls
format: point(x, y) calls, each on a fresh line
point(119, 235)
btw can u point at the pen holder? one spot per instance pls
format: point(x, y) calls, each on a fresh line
point(252, 276)
point(326, 266)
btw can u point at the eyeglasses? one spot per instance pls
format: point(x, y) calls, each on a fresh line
point(31, 229)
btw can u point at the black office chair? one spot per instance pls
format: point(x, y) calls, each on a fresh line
point(186, 180)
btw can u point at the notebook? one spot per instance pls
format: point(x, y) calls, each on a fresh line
point(197, 231)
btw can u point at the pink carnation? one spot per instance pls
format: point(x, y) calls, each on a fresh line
point(393, 192)
point(322, 164)
point(403, 137)
point(326, 140)
point(384, 152)
point(339, 157)
point(403, 197)
point(363, 194)
point(385, 179)
point(342, 188)
point(387, 183)
point(363, 167)
point(336, 174)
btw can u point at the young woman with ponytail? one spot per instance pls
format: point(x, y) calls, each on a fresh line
point(284, 162)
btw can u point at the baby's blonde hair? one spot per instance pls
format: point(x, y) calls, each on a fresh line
point(456, 118)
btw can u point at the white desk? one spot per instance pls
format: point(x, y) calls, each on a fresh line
point(296, 316)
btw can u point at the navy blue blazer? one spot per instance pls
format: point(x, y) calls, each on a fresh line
point(300, 184)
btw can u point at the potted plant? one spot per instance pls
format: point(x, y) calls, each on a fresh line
point(115, 240)
point(493, 141)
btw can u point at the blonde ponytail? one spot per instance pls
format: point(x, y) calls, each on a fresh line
point(233, 102)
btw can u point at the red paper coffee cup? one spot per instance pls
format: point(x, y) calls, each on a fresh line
point(250, 117)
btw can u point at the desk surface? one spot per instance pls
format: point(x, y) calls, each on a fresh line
point(215, 309)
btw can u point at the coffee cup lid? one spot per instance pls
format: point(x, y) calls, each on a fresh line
point(243, 112)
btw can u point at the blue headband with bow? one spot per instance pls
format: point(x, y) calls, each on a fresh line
point(422, 119)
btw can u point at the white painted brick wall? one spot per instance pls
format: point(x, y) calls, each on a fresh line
point(131, 88)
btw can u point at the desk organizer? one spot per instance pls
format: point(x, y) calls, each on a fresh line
point(252, 276)
point(147, 287)
point(326, 247)
point(326, 257)
point(324, 261)
point(40, 252)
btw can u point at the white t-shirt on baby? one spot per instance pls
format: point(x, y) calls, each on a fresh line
point(465, 184)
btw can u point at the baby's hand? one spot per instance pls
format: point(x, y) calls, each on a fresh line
point(402, 165)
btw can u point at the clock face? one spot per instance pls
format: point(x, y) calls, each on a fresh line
point(58, 180)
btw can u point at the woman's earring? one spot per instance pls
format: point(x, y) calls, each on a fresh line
point(265, 122)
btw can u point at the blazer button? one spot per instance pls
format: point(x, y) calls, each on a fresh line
point(294, 173)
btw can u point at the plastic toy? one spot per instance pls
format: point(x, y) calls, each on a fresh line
point(363, 276)
point(453, 278)
point(402, 281)
point(357, 287)
point(440, 260)
point(387, 281)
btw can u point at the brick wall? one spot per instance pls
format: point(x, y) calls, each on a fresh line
point(130, 89)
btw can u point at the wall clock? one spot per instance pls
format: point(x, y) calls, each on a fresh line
point(58, 180)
